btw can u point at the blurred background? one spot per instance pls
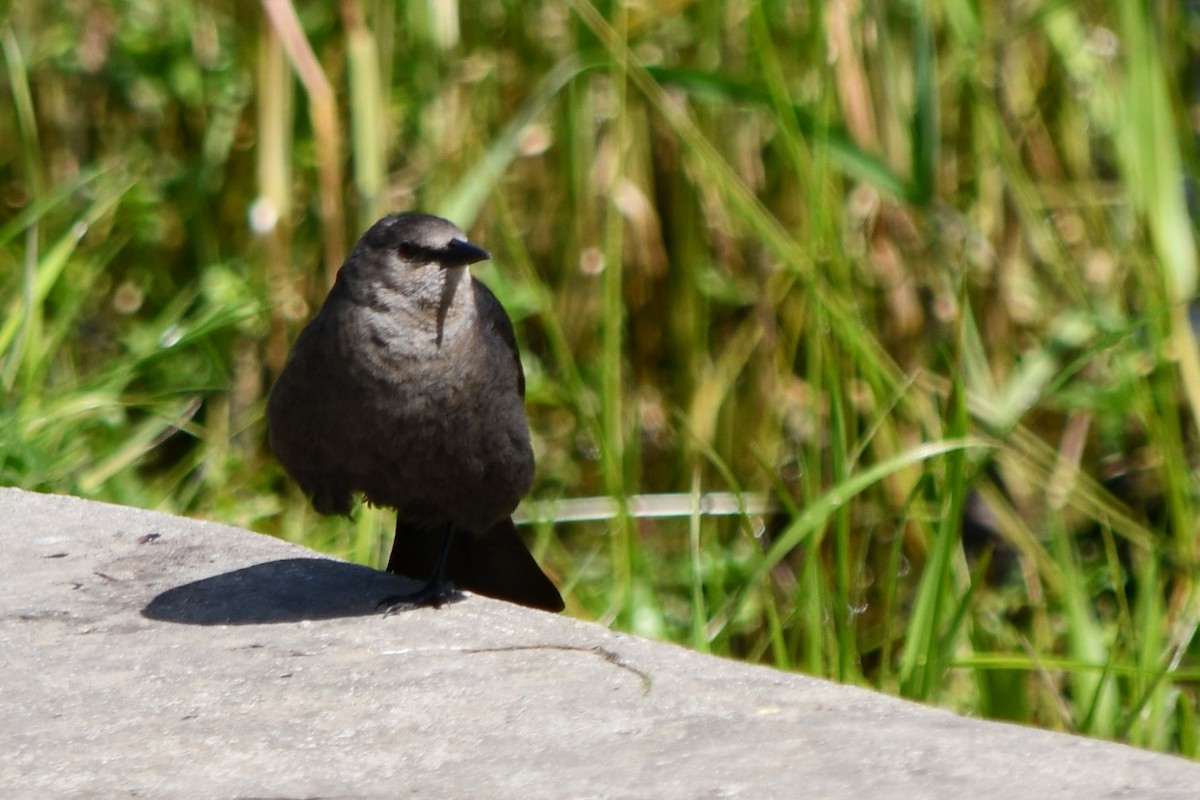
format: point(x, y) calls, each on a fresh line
point(908, 284)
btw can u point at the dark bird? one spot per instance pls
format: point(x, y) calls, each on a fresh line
point(407, 387)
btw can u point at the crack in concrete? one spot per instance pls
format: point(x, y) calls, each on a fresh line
point(611, 656)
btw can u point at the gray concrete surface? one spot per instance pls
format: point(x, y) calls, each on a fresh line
point(146, 655)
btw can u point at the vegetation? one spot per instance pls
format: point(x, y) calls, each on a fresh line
point(920, 270)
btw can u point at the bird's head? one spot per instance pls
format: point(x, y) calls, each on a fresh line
point(417, 255)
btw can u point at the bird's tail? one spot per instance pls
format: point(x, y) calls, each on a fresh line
point(496, 564)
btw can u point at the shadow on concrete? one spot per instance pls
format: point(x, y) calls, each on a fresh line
point(289, 590)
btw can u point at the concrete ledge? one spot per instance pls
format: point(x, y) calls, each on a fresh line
point(151, 656)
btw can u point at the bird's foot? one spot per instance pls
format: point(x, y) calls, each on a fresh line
point(435, 593)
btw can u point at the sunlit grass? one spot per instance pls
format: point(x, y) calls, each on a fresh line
point(921, 272)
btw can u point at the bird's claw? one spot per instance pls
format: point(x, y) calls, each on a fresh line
point(434, 593)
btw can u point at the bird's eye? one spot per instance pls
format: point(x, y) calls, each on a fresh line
point(408, 250)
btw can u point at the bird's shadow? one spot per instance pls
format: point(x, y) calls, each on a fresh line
point(288, 590)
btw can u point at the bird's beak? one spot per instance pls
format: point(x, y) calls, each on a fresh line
point(460, 252)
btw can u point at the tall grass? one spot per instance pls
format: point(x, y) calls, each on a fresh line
point(920, 271)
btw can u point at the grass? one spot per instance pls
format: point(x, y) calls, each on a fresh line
point(922, 272)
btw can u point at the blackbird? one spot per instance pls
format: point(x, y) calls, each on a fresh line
point(407, 387)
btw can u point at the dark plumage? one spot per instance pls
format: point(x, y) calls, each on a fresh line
point(407, 387)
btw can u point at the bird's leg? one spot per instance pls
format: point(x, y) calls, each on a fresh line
point(435, 592)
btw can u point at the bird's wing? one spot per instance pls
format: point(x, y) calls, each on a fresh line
point(497, 319)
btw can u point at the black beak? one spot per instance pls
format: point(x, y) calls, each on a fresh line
point(460, 252)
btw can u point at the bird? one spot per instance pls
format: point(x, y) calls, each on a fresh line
point(406, 387)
